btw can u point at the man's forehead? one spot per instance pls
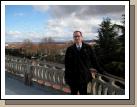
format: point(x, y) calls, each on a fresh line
point(77, 33)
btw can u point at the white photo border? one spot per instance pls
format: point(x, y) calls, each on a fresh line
point(4, 3)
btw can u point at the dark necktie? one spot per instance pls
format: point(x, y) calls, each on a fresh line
point(78, 48)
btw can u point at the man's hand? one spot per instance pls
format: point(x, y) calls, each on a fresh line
point(93, 72)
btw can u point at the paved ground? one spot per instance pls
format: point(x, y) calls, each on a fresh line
point(15, 86)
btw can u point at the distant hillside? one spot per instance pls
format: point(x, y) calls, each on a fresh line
point(87, 41)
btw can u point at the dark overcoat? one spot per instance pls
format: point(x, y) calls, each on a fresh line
point(78, 63)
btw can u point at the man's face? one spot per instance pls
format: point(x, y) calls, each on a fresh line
point(77, 37)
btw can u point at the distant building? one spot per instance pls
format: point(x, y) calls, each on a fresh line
point(14, 45)
point(6, 45)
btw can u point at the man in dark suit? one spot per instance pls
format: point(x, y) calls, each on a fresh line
point(79, 59)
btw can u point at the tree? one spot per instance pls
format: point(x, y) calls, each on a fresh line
point(122, 29)
point(121, 38)
point(47, 40)
point(109, 49)
point(27, 47)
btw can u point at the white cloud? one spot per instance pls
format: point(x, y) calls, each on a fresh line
point(19, 14)
point(64, 20)
point(33, 36)
point(13, 33)
point(69, 18)
point(64, 27)
point(86, 11)
point(20, 36)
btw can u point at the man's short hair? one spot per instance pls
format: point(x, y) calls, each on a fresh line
point(77, 31)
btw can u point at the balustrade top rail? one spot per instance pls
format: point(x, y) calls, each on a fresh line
point(28, 61)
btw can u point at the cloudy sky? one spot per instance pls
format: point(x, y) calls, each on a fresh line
point(35, 22)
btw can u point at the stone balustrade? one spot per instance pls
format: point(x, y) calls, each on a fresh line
point(53, 75)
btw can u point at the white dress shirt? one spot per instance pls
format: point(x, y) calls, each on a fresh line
point(79, 46)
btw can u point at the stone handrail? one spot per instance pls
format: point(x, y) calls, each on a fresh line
point(54, 76)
